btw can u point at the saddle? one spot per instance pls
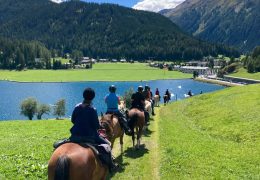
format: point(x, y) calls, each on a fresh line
point(102, 151)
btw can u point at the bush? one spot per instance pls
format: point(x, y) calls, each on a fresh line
point(59, 108)
point(195, 74)
point(29, 107)
point(43, 109)
point(127, 97)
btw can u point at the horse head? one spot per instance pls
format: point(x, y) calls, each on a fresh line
point(106, 122)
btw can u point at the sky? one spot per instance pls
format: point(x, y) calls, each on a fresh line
point(149, 5)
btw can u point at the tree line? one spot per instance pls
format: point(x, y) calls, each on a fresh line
point(18, 54)
point(252, 62)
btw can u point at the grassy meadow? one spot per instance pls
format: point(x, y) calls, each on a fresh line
point(210, 136)
point(242, 72)
point(100, 72)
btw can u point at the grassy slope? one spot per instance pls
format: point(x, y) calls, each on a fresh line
point(244, 74)
point(100, 72)
point(212, 136)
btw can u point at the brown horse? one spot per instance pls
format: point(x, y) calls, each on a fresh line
point(113, 129)
point(72, 161)
point(136, 121)
point(166, 99)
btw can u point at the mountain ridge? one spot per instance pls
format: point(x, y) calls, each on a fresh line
point(101, 30)
point(235, 23)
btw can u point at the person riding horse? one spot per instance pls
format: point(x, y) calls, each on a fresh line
point(167, 97)
point(138, 101)
point(112, 101)
point(86, 124)
point(149, 96)
point(157, 93)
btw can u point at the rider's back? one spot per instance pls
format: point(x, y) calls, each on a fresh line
point(85, 121)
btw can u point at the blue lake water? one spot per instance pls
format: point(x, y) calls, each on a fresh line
point(13, 93)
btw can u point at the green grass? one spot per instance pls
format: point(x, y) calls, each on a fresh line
point(26, 147)
point(212, 136)
point(244, 74)
point(100, 72)
point(209, 136)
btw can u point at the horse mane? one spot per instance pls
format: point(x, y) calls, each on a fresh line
point(62, 168)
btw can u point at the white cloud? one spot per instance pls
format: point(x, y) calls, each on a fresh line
point(58, 1)
point(156, 5)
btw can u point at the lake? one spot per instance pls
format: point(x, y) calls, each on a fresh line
point(13, 93)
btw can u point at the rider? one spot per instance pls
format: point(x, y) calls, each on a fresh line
point(157, 93)
point(138, 101)
point(112, 101)
point(86, 124)
point(149, 96)
point(168, 94)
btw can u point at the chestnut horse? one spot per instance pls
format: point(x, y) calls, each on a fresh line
point(136, 121)
point(72, 161)
point(113, 129)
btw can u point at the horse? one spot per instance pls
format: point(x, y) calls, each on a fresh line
point(72, 161)
point(113, 129)
point(122, 106)
point(148, 107)
point(166, 99)
point(156, 100)
point(136, 121)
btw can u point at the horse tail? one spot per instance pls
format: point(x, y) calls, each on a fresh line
point(133, 120)
point(62, 168)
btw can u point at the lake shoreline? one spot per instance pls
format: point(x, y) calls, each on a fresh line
point(92, 81)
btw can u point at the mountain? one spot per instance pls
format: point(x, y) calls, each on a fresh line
point(232, 22)
point(106, 30)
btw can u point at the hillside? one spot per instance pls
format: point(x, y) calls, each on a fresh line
point(101, 30)
point(234, 23)
point(212, 136)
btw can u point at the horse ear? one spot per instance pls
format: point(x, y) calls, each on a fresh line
point(112, 116)
point(102, 114)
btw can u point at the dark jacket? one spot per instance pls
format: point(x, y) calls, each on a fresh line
point(137, 99)
point(85, 121)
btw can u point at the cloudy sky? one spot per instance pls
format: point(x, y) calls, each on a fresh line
point(150, 5)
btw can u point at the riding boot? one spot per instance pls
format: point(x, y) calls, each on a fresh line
point(123, 123)
point(112, 164)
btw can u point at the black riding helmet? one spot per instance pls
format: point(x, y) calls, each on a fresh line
point(140, 88)
point(112, 88)
point(89, 94)
point(146, 87)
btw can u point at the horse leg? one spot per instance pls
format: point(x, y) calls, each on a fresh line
point(112, 143)
point(121, 143)
point(133, 137)
point(139, 137)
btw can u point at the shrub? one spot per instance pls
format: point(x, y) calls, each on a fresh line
point(43, 109)
point(59, 108)
point(127, 97)
point(29, 107)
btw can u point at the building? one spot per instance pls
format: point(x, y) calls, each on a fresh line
point(191, 69)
